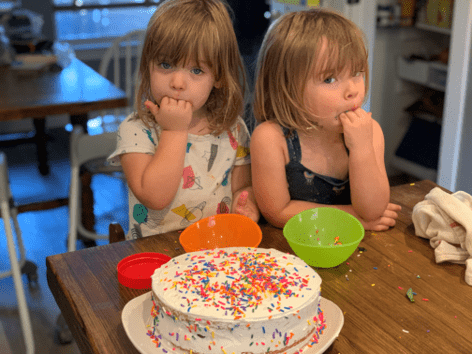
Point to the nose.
(178, 81)
(352, 90)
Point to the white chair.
(129, 47)
(9, 211)
(91, 150)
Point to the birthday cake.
(236, 300)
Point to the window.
(92, 24)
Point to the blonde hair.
(287, 59)
(198, 30)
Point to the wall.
(464, 176)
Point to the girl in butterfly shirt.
(185, 151)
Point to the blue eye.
(329, 80)
(165, 65)
(197, 71)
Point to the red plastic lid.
(135, 271)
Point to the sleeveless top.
(306, 185)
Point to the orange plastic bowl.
(221, 231)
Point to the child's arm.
(370, 189)
(270, 183)
(155, 179)
(244, 201)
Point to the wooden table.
(379, 318)
(74, 90)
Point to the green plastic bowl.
(312, 235)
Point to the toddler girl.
(316, 146)
(185, 152)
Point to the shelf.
(430, 74)
(432, 28)
(414, 169)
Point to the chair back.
(129, 47)
(92, 151)
(85, 148)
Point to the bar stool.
(9, 211)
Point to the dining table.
(76, 89)
(370, 288)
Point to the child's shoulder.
(133, 122)
(238, 123)
(268, 131)
(238, 128)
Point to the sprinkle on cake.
(236, 300)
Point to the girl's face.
(187, 82)
(326, 96)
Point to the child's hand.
(387, 220)
(172, 115)
(246, 207)
(358, 129)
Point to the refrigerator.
(455, 149)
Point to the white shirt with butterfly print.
(205, 188)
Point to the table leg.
(40, 139)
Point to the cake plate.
(137, 321)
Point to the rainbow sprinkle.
(250, 278)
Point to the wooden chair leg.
(116, 233)
(88, 215)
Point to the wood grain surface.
(76, 89)
(370, 288)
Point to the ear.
(217, 84)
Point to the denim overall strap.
(293, 145)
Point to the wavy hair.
(196, 30)
(290, 54)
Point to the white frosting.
(238, 300)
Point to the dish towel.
(446, 219)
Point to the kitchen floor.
(45, 232)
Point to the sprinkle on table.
(409, 294)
